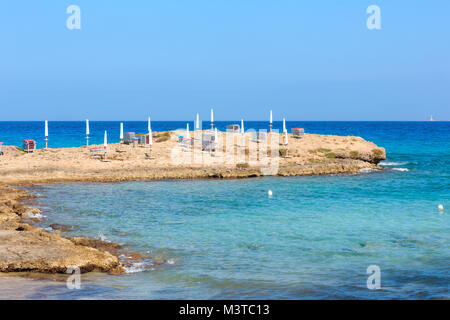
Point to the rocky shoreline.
(25, 247)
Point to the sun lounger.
(101, 151)
(208, 142)
(129, 136)
(186, 144)
(298, 133)
(29, 145)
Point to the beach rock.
(24, 247)
(40, 251)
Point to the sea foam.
(393, 163)
(367, 170)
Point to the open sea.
(226, 239)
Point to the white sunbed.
(101, 151)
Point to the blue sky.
(306, 60)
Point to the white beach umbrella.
(215, 135)
(149, 125)
(284, 125)
(270, 116)
(150, 136)
(188, 136)
(105, 140)
(286, 139)
(197, 125)
(46, 128)
(212, 115)
(121, 131)
(87, 127)
(242, 125)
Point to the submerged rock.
(62, 227)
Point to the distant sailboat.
(431, 118)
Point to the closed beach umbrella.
(188, 136)
(242, 125)
(87, 132)
(212, 115)
(284, 125)
(150, 137)
(121, 131)
(105, 140)
(270, 116)
(215, 135)
(286, 139)
(46, 134)
(197, 125)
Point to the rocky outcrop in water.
(24, 247)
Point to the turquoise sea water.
(314, 238)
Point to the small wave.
(102, 237)
(139, 267)
(367, 170)
(36, 215)
(393, 163)
(400, 169)
(135, 267)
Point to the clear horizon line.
(235, 120)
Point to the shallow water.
(314, 238)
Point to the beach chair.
(186, 144)
(298, 133)
(29, 145)
(1, 148)
(259, 136)
(208, 142)
(129, 136)
(234, 128)
(100, 151)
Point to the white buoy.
(269, 193)
(440, 207)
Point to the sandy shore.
(25, 247)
